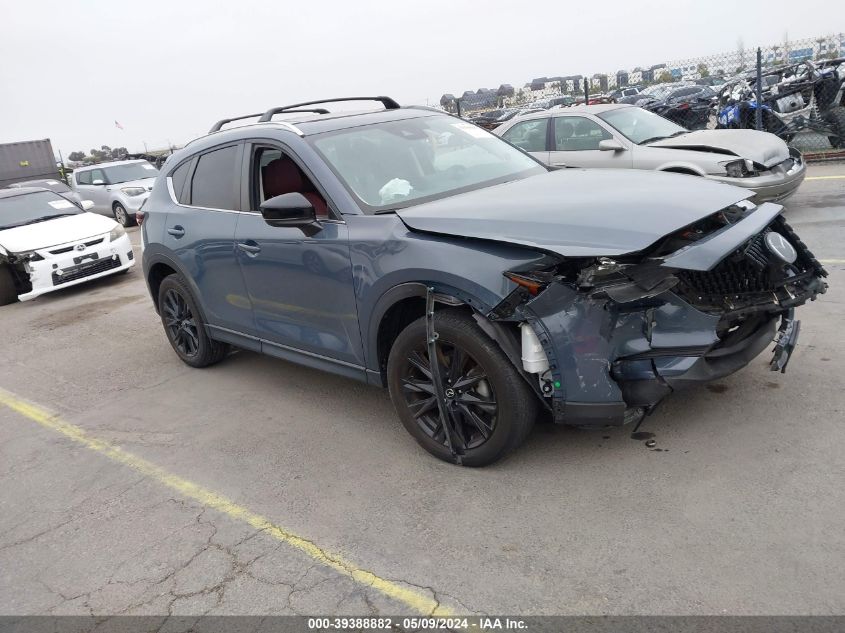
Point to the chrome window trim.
(190, 206)
(250, 212)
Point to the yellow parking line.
(832, 261)
(824, 177)
(414, 599)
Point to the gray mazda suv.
(412, 250)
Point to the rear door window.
(528, 135)
(574, 133)
(215, 184)
(179, 176)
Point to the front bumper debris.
(785, 342)
(615, 351)
(774, 185)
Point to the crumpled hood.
(52, 232)
(761, 147)
(577, 212)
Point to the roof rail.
(388, 103)
(216, 127)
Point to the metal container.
(27, 160)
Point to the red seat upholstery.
(281, 176)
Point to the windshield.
(640, 125)
(131, 171)
(34, 207)
(401, 163)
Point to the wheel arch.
(157, 266)
(399, 307)
(684, 168)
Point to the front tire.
(8, 291)
(491, 406)
(122, 216)
(184, 326)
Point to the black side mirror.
(289, 209)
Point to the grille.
(68, 249)
(85, 270)
(730, 278)
(752, 280)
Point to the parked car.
(686, 104)
(56, 186)
(117, 189)
(48, 243)
(562, 101)
(628, 137)
(487, 119)
(492, 121)
(627, 91)
(713, 81)
(475, 283)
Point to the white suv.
(117, 189)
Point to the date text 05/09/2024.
(418, 623)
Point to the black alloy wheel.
(470, 400)
(489, 407)
(180, 323)
(184, 326)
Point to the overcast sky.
(166, 70)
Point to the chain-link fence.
(793, 89)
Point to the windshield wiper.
(652, 139)
(678, 133)
(384, 211)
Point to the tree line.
(105, 153)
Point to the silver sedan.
(625, 136)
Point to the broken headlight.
(24, 256)
(116, 233)
(604, 271)
(625, 282)
(739, 168)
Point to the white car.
(621, 136)
(48, 243)
(117, 189)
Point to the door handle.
(176, 231)
(250, 248)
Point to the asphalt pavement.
(130, 483)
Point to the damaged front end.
(608, 338)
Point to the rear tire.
(8, 290)
(492, 406)
(184, 326)
(835, 118)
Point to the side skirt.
(300, 357)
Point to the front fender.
(684, 165)
(392, 263)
